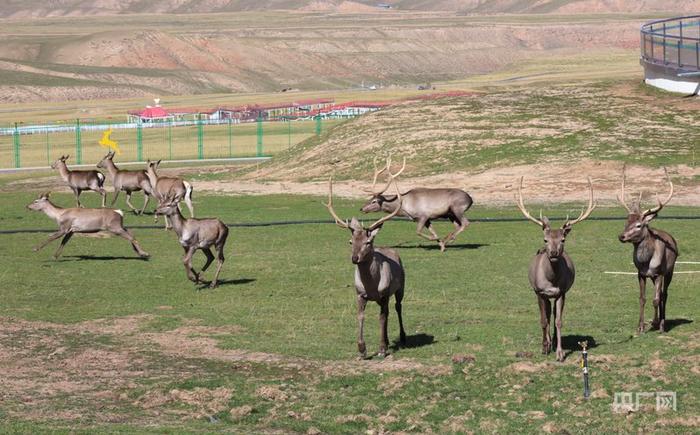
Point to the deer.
(551, 272)
(128, 181)
(422, 205)
(173, 188)
(379, 274)
(80, 180)
(654, 254)
(82, 220)
(194, 234)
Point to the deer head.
(103, 162)
(377, 199)
(637, 226)
(40, 203)
(59, 161)
(362, 238)
(167, 207)
(554, 238)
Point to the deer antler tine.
(399, 200)
(376, 174)
(587, 212)
(392, 176)
(522, 208)
(661, 204)
(341, 223)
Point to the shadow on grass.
(413, 341)
(225, 282)
(436, 247)
(98, 258)
(570, 343)
(672, 323)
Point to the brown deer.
(171, 188)
(422, 205)
(552, 272)
(194, 234)
(128, 181)
(82, 220)
(378, 274)
(654, 254)
(81, 180)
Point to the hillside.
(73, 8)
(54, 59)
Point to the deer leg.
(361, 305)
(210, 258)
(128, 201)
(65, 240)
(422, 223)
(146, 198)
(116, 195)
(461, 225)
(558, 321)
(642, 301)
(658, 289)
(103, 193)
(383, 329)
(219, 265)
(399, 298)
(192, 275)
(124, 233)
(77, 193)
(664, 298)
(544, 323)
(51, 238)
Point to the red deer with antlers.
(82, 220)
(128, 181)
(170, 188)
(81, 180)
(378, 274)
(552, 272)
(654, 254)
(422, 205)
(194, 234)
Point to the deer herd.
(379, 272)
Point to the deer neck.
(111, 168)
(370, 272)
(152, 177)
(53, 211)
(63, 170)
(390, 203)
(644, 249)
(178, 221)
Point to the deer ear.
(45, 195)
(355, 225)
(373, 233)
(566, 228)
(157, 163)
(646, 219)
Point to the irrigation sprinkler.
(584, 366)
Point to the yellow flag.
(109, 143)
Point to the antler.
(377, 173)
(621, 195)
(521, 206)
(381, 221)
(341, 223)
(386, 168)
(661, 204)
(584, 214)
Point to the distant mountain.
(72, 8)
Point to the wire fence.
(674, 41)
(29, 146)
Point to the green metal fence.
(27, 146)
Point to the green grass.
(288, 291)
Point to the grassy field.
(99, 340)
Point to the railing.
(674, 42)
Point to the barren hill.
(56, 8)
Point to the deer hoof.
(213, 284)
(662, 326)
(442, 246)
(381, 354)
(145, 255)
(640, 329)
(560, 355)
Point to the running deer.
(81, 180)
(82, 220)
(378, 273)
(171, 188)
(552, 272)
(654, 254)
(422, 205)
(194, 234)
(128, 181)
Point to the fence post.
(679, 53)
(318, 125)
(664, 42)
(170, 139)
(15, 141)
(230, 138)
(78, 143)
(289, 133)
(139, 142)
(200, 137)
(697, 54)
(48, 146)
(259, 148)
